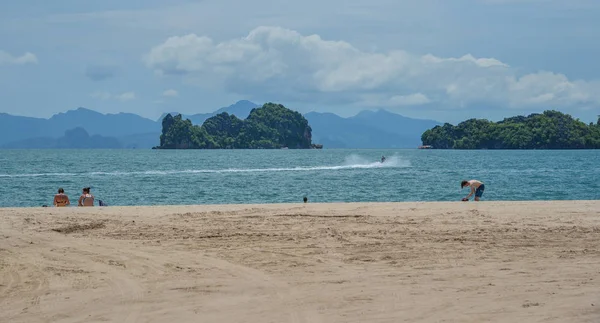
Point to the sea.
(30, 178)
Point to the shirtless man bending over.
(477, 188)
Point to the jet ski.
(382, 159)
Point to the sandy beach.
(363, 262)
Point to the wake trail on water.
(351, 162)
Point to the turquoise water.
(155, 177)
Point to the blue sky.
(440, 59)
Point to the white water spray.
(351, 162)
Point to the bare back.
(61, 200)
(474, 184)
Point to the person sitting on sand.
(477, 188)
(86, 199)
(61, 199)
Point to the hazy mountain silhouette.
(240, 109)
(394, 123)
(76, 138)
(120, 124)
(368, 129)
(15, 128)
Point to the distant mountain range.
(240, 109)
(76, 138)
(15, 129)
(368, 129)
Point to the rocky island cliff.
(271, 126)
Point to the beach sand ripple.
(352, 262)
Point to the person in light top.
(86, 199)
(477, 188)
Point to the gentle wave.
(390, 163)
(39, 175)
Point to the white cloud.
(170, 93)
(282, 64)
(8, 59)
(102, 95)
(481, 62)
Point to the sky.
(435, 59)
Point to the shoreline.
(333, 204)
(499, 261)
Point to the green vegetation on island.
(271, 126)
(548, 130)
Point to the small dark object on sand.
(464, 199)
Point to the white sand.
(400, 262)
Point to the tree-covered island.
(548, 130)
(271, 126)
